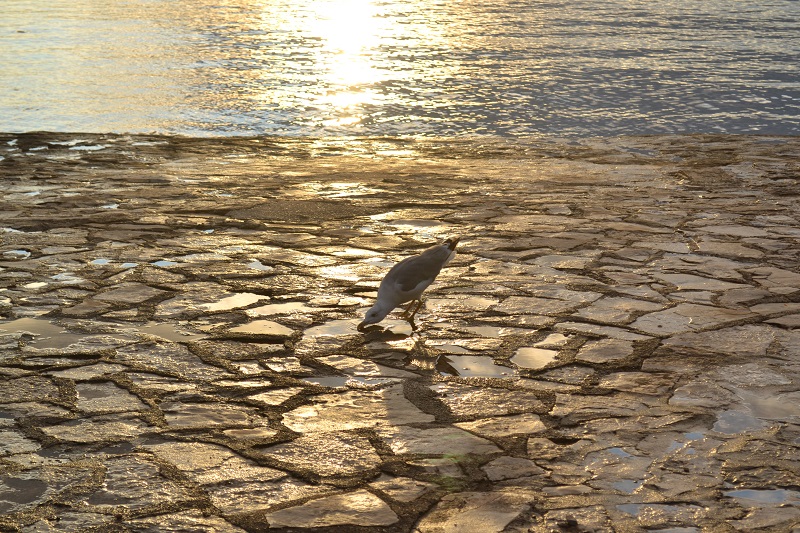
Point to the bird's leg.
(419, 305)
(408, 309)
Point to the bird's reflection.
(417, 354)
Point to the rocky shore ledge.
(615, 348)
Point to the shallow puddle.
(533, 358)
(731, 422)
(627, 485)
(67, 278)
(333, 328)
(234, 301)
(47, 334)
(328, 381)
(480, 366)
(765, 497)
(258, 265)
(284, 308)
(263, 327)
(16, 254)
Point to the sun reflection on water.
(348, 78)
(347, 34)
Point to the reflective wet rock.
(262, 329)
(401, 489)
(504, 426)
(533, 358)
(355, 409)
(133, 482)
(613, 348)
(474, 512)
(435, 441)
(326, 454)
(360, 508)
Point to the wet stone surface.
(615, 348)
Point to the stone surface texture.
(615, 348)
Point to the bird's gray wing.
(415, 273)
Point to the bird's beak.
(360, 327)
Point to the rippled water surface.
(404, 67)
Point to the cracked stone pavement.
(615, 348)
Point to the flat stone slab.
(355, 409)
(358, 508)
(504, 426)
(130, 293)
(326, 454)
(687, 317)
(133, 482)
(474, 512)
(103, 428)
(477, 402)
(235, 484)
(401, 489)
(747, 340)
(262, 328)
(605, 351)
(435, 441)
(106, 397)
(511, 468)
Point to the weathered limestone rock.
(605, 351)
(355, 409)
(133, 482)
(326, 454)
(747, 340)
(359, 508)
(477, 402)
(106, 397)
(435, 441)
(474, 512)
(130, 293)
(402, 489)
(510, 468)
(504, 426)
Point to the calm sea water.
(401, 67)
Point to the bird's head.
(373, 316)
(452, 242)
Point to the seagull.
(406, 281)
